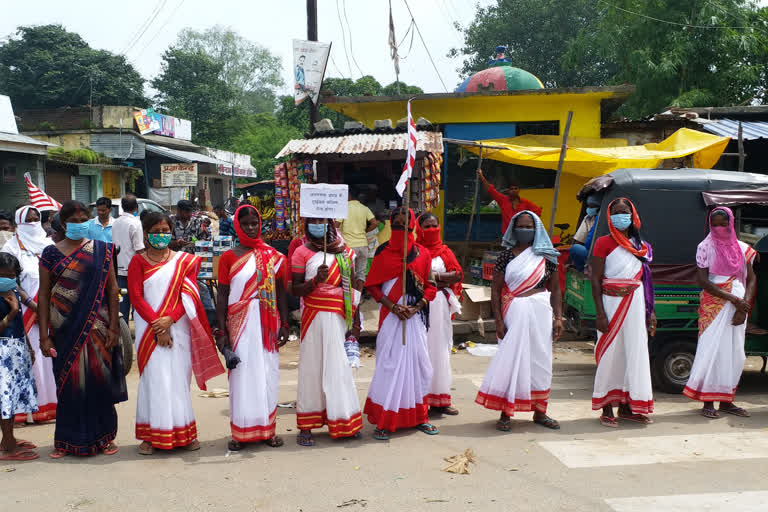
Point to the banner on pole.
(309, 60)
(410, 158)
(323, 201)
(178, 175)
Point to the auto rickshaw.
(674, 206)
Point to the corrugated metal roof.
(120, 146)
(751, 130)
(22, 139)
(431, 142)
(184, 156)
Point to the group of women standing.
(64, 317)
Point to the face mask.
(77, 231)
(159, 240)
(592, 211)
(136, 213)
(621, 221)
(524, 235)
(316, 230)
(721, 232)
(430, 237)
(7, 284)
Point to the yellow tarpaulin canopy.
(595, 157)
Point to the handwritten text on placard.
(323, 201)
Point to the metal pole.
(312, 36)
(405, 244)
(741, 148)
(474, 209)
(233, 175)
(563, 150)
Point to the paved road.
(681, 463)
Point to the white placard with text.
(323, 201)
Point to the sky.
(114, 26)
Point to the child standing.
(17, 386)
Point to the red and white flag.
(410, 159)
(39, 199)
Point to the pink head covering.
(725, 255)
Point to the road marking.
(631, 451)
(748, 501)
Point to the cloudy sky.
(114, 26)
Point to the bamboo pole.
(563, 150)
(741, 148)
(474, 208)
(405, 243)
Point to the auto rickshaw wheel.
(672, 365)
(126, 342)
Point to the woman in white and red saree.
(327, 395)
(728, 288)
(253, 323)
(401, 381)
(528, 317)
(27, 245)
(448, 276)
(173, 340)
(622, 288)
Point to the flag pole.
(405, 243)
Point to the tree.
(262, 136)
(250, 69)
(190, 87)
(47, 66)
(677, 52)
(541, 37)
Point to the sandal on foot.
(234, 446)
(736, 411)
(450, 411)
(548, 422)
(274, 442)
(110, 449)
(609, 421)
(57, 454)
(504, 425)
(146, 449)
(20, 455)
(29, 445)
(710, 413)
(305, 439)
(637, 418)
(381, 434)
(428, 429)
(193, 446)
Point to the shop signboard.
(309, 60)
(323, 201)
(178, 175)
(146, 120)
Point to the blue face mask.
(621, 221)
(7, 284)
(316, 230)
(592, 211)
(77, 231)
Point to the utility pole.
(312, 36)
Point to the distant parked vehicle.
(144, 204)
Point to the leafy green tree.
(190, 87)
(249, 68)
(262, 136)
(46, 66)
(400, 88)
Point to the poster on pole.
(323, 201)
(178, 175)
(309, 60)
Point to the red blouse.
(136, 270)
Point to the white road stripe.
(748, 501)
(630, 451)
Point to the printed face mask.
(159, 240)
(77, 231)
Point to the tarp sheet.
(595, 157)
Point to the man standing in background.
(101, 226)
(128, 238)
(225, 222)
(359, 221)
(510, 203)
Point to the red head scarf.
(430, 239)
(252, 243)
(619, 237)
(388, 262)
